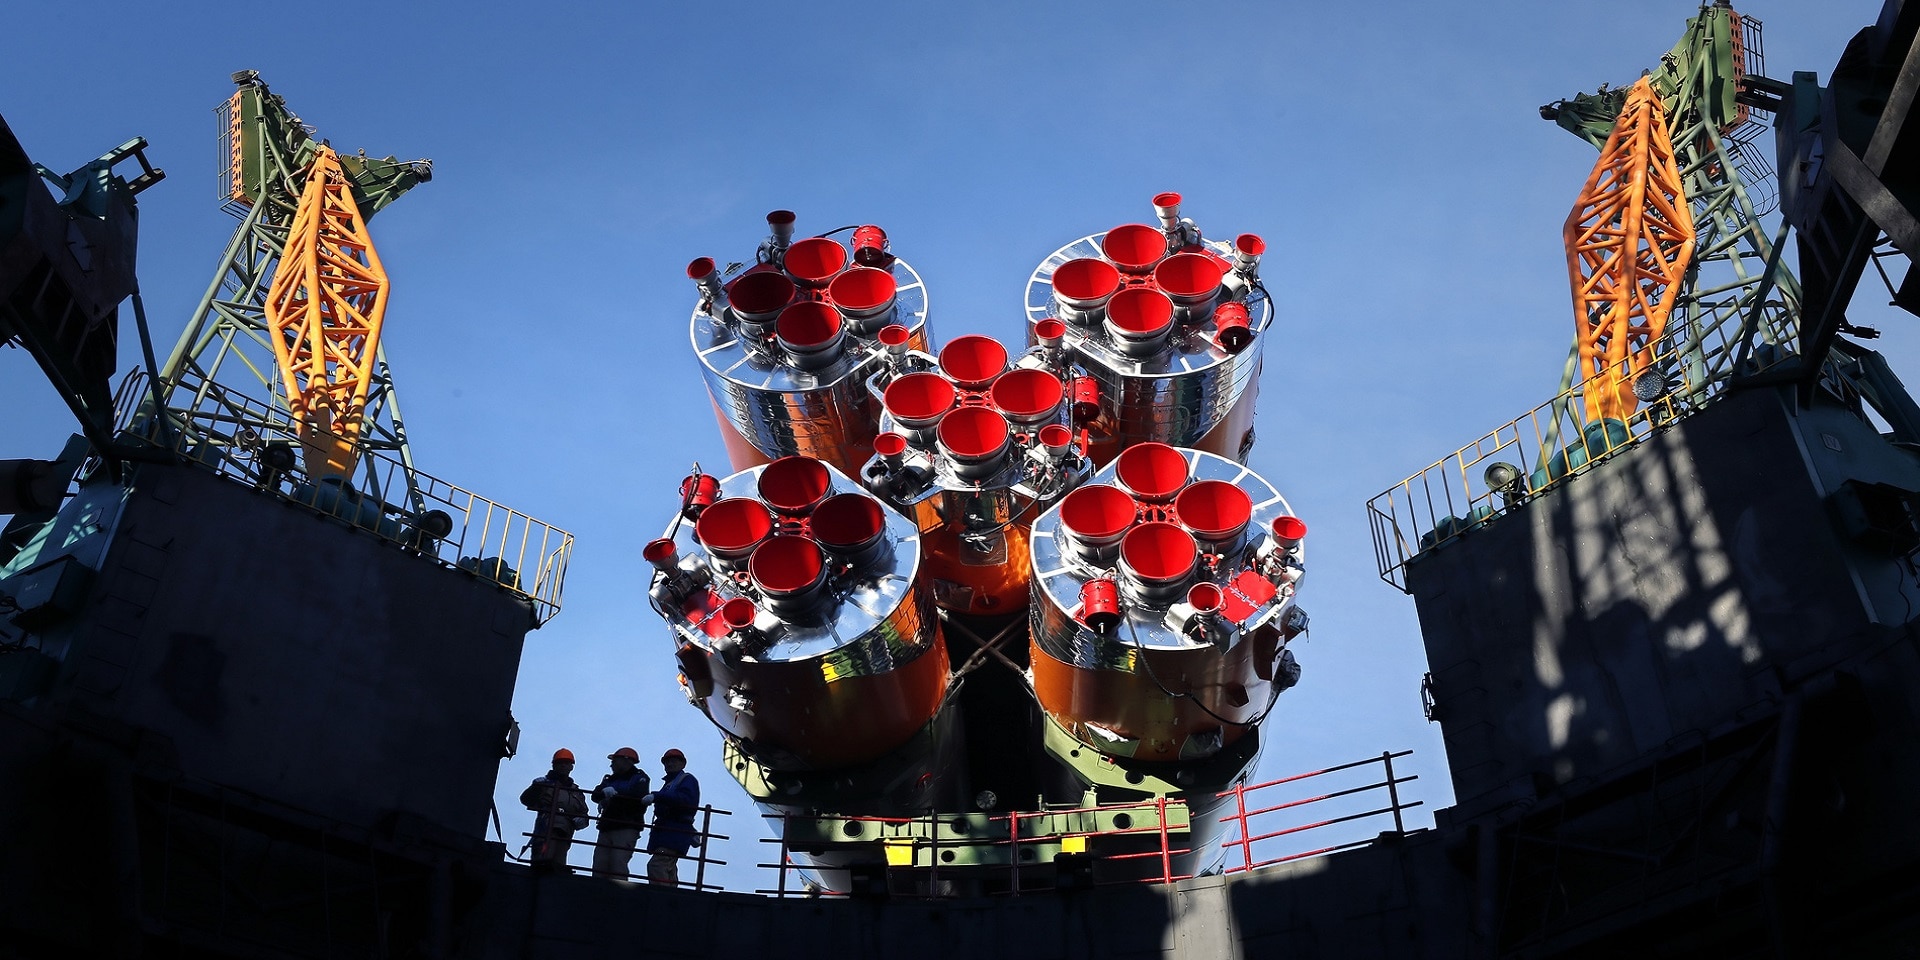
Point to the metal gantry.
(1737, 300)
(231, 347)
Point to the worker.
(559, 810)
(623, 811)
(673, 807)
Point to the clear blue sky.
(1391, 153)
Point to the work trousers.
(664, 868)
(550, 848)
(613, 852)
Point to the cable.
(829, 233)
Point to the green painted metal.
(1111, 779)
(223, 358)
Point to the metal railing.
(1258, 825)
(1250, 824)
(239, 437)
(1543, 447)
(703, 843)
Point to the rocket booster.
(786, 346)
(802, 624)
(1164, 330)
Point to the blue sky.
(1391, 154)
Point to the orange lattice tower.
(1629, 242)
(324, 313)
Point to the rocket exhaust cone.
(794, 486)
(1189, 279)
(1139, 320)
(759, 297)
(972, 361)
(732, 528)
(919, 400)
(1028, 396)
(1214, 511)
(1153, 472)
(815, 261)
(1134, 247)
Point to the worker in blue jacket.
(674, 805)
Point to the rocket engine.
(1163, 603)
(917, 499)
(972, 448)
(1163, 328)
(787, 345)
(803, 627)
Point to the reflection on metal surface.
(801, 620)
(1191, 385)
(787, 377)
(972, 448)
(1205, 560)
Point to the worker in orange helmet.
(674, 805)
(623, 811)
(560, 809)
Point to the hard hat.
(673, 754)
(563, 754)
(628, 752)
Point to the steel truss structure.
(229, 347)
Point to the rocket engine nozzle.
(773, 250)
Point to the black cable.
(829, 233)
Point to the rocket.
(886, 496)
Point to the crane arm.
(324, 313)
(1629, 241)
